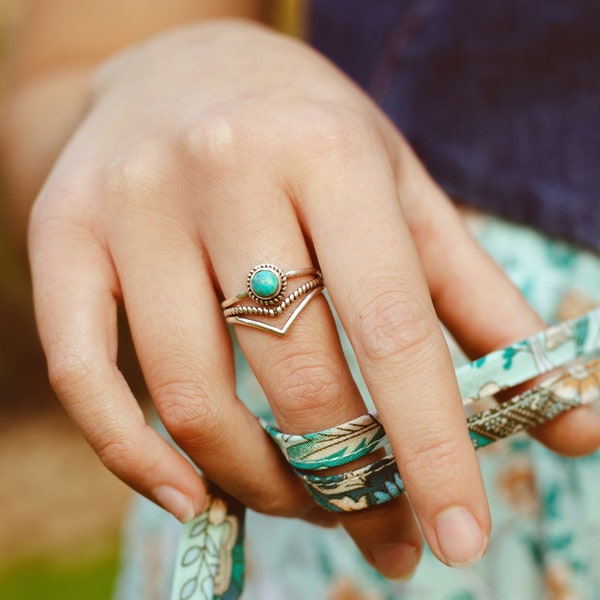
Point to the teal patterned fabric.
(333, 447)
(545, 544)
(570, 349)
(212, 541)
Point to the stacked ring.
(380, 481)
(332, 447)
(371, 485)
(565, 347)
(266, 287)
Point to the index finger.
(74, 292)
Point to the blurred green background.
(60, 510)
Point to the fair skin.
(174, 166)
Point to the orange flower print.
(557, 582)
(517, 486)
(346, 589)
(580, 380)
(573, 304)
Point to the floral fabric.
(545, 542)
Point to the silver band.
(266, 311)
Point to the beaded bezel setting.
(266, 284)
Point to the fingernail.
(177, 503)
(396, 561)
(461, 540)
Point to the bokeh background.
(60, 510)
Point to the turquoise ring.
(267, 295)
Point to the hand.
(214, 148)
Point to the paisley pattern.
(380, 481)
(374, 484)
(210, 556)
(545, 543)
(332, 447)
(529, 358)
(537, 405)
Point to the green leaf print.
(551, 501)
(580, 333)
(560, 542)
(508, 355)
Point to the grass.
(92, 579)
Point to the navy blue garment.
(499, 98)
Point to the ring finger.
(303, 373)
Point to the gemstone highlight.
(265, 284)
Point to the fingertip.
(574, 434)
(178, 503)
(397, 561)
(388, 537)
(461, 539)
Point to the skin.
(174, 159)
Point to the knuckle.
(442, 453)
(213, 142)
(335, 130)
(45, 231)
(307, 382)
(119, 455)
(58, 206)
(187, 412)
(69, 367)
(391, 326)
(144, 166)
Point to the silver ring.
(267, 295)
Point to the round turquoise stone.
(265, 284)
